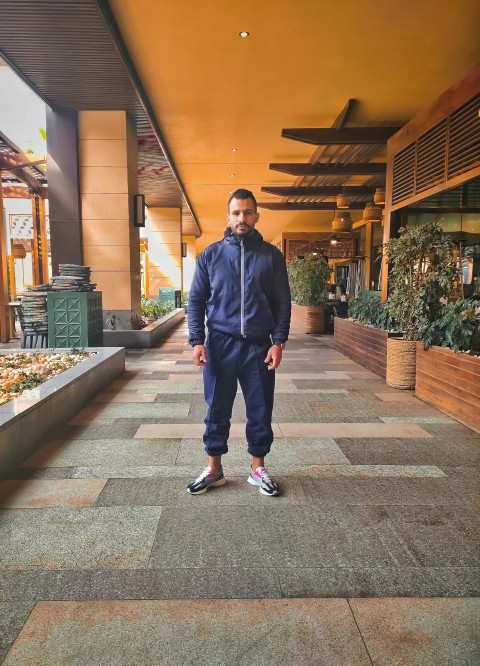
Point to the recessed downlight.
(244, 34)
(232, 175)
(234, 150)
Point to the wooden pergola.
(21, 178)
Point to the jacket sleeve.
(197, 300)
(281, 299)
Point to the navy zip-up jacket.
(241, 285)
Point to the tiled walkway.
(370, 556)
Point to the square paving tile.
(124, 396)
(111, 538)
(296, 631)
(339, 430)
(109, 412)
(421, 632)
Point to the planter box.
(450, 382)
(146, 337)
(363, 344)
(25, 420)
(75, 319)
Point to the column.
(4, 314)
(189, 262)
(164, 229)
(108, 181)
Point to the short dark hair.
(241, 193)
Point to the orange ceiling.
(212, 90)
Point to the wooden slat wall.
(450, 382)
(365, 345)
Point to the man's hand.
(199, 355)
(274, 357)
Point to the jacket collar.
(253, 238)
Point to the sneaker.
(206, 480)
(260, 478)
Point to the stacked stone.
(73, 278)
(34, 310)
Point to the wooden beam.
(14, 192)
(12, 161)
(326, 136)
(297, 205)
(301, 169)
(320, 191)
(342, 117)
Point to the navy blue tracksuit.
(241, 285)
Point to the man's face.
(242, 217)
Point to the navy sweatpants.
(229, 360)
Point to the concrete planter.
(450, 382)
(146, 337)
(24, 421)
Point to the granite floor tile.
(187, 430)
(420, 631)
(398, 396)
(205, 632)
(85, 452)
(49, 493)
(225, 582)
(124, 396)
(291, 453)
(172, 492)
(41, 473)
(12, 618)
(125, 430)
(111, 538)
(277, 535)
(340, 430)
(355, 581)
(398, 451)
(378, 491)
(435, 538)
(109, 412)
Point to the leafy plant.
(423, 271)
(458, 327)
(153, 309)
(367, 309)
(308, 279)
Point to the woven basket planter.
(315, 319)
(401, 363)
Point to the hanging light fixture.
(372, 213)
(343, 201)
(379, 196)
(342, 222)
(333, 239)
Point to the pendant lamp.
(372, 213)
(343, 201)
(379, 196)
(342, 222)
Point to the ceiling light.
(372, 213)
(343, 201)
(342, 221)
(333, 239)
(234, 150)
(232, 175)
(379, 196)
(244, 33)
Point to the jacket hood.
(253, 237)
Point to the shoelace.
(264, 474)
(203, 475)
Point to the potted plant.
(309, 278)
(423, 270)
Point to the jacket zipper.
(242, 288)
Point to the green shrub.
(153, 309)
(367, 309)
(457, 327)
(308, 279)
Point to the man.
(241, 285)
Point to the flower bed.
(22, 371)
